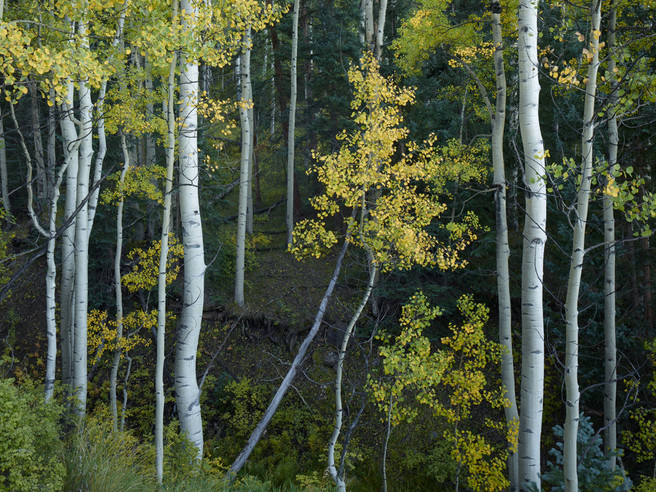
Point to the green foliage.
(30, 448)
(458, 369)
(593, 470)
(295, 440)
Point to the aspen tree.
(535, 221)
(291, 140)
(570, 458)
(244, 177)
(610, 337)
(163, 255)
(502, 244)
(186, 385)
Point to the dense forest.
(327, 245)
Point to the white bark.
(610, 342)
(117, 285)
(240, 461)
(369, 24)
(502, 244)
(338, 474)
(70, 144)
(82, 240)
(291, 140)
(251, 165)
(532, 386)
(186, 385)
(161, 278)
(576, 262)
(380, 29)
(244, 184)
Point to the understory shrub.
(30, 446)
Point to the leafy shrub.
(30, 448)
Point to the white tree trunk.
(380, 29)
(245, 101)
(117, 285)
(82, 240)
(186, 385)
(161, 278)
(576, 262)
(291, 140)
(532, 387)
(240, 461)
(251, 164)
(502, 244)
(337, 474)
(610, 342)
(71, 153)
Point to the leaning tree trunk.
(502, 244)
(610, 337)
(532, 386)
(291, 141)
(240, 461)
(573, 395)
(186, 385)
(245, 100)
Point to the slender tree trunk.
(82, 240)
(67, 332)
(51, 146)
(502, 244)
(186, 384)
(51, 279)
(573, 395)
(3, 169)
(240, 461)
(249, 198)
(3, 148)
(117, 285)
(610, 337)
(291, 141)
(39, 154)
(161, 278)
(338, 474)
(245, 61)
(532, 387)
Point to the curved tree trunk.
(337, 474)
(532, 387)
